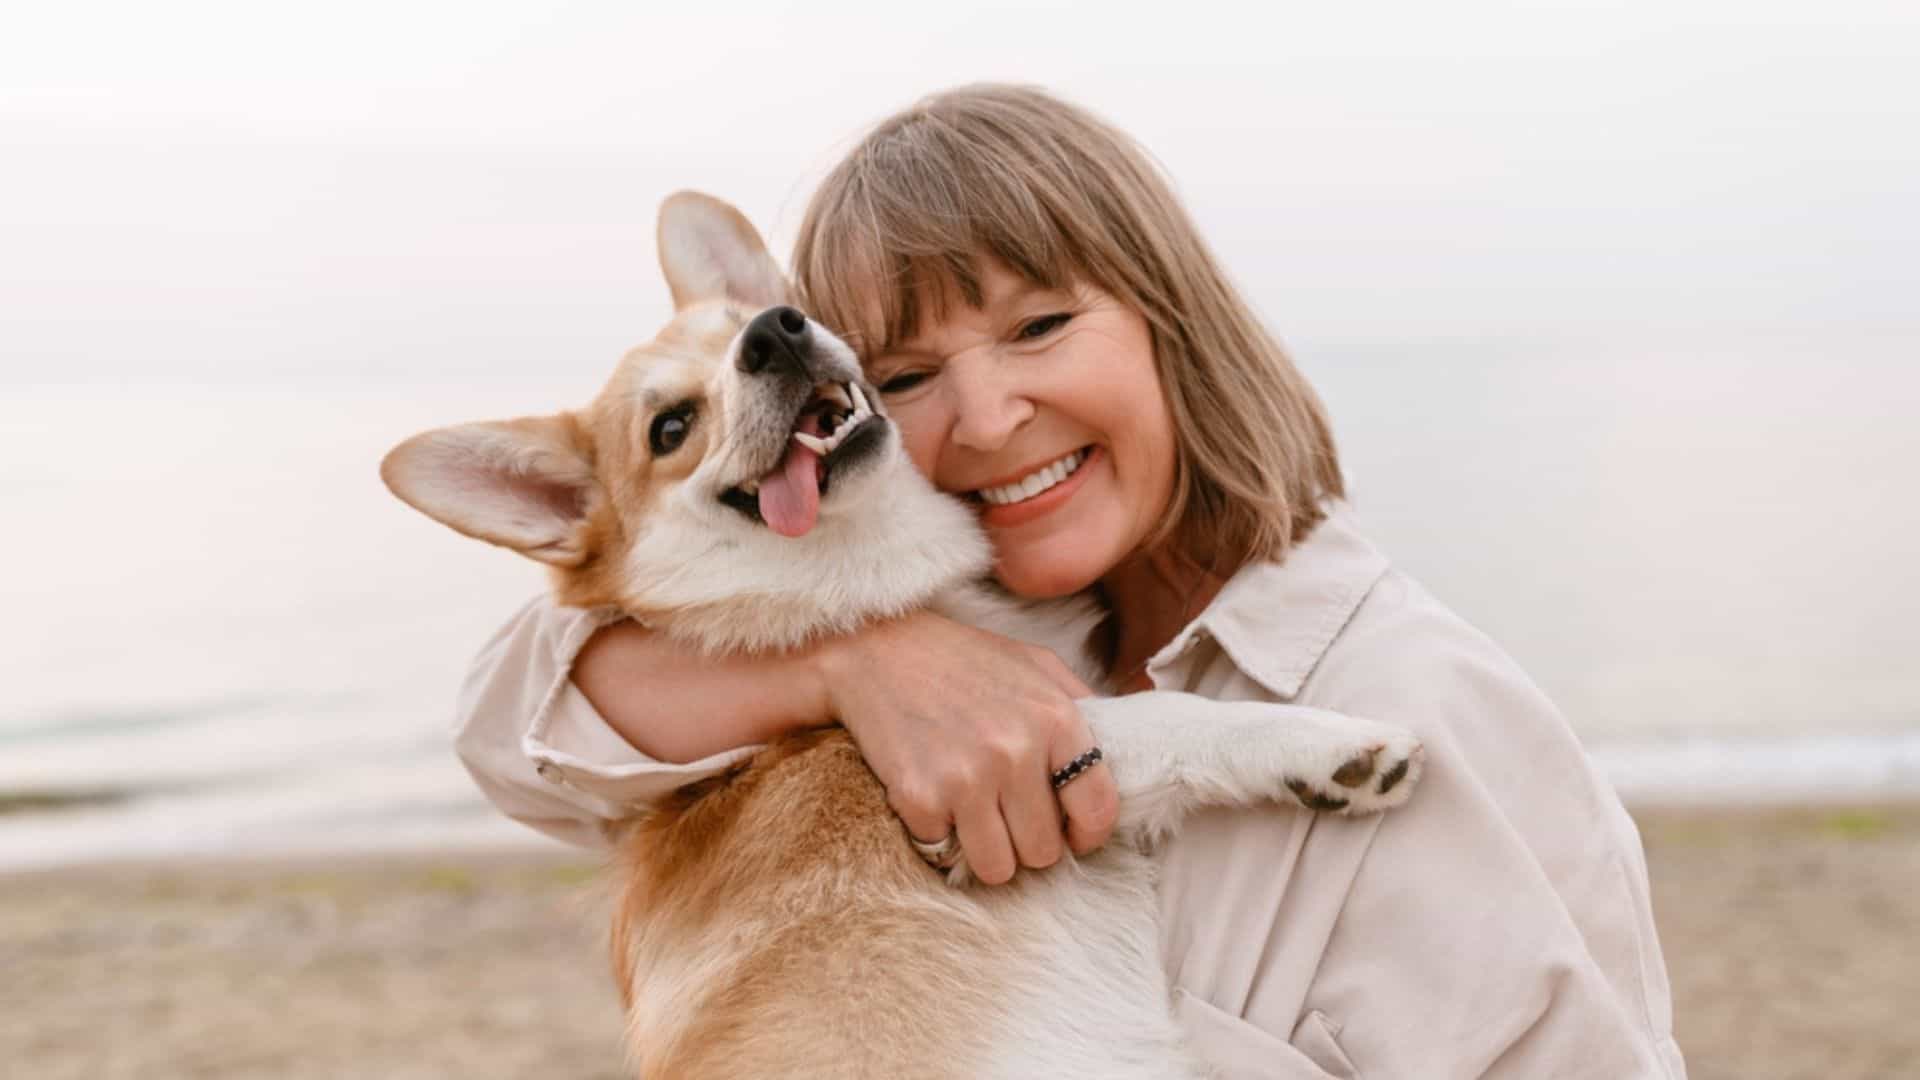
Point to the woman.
(1025, 290)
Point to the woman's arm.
(676, 704)
(962, 726)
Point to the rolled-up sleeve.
(536, 746)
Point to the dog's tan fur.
(605, 433)
(774, 921)
(802, 835)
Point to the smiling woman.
(1061, 352)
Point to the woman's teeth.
(1035, 482)
(861, 410)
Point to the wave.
(1801, 769)
(420, 799)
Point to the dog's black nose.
(776, 340)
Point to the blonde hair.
(1014, 174)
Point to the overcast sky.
(213, 190)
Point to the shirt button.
(550, 772)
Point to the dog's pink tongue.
(790, 494)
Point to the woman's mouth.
(1035, 482)
(1036, 494)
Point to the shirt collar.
(1274, 620)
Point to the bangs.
(911, 215)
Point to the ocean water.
(224, 636)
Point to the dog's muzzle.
(805, 387)
(777, 342)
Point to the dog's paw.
(1377, 776)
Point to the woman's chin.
(1044, 579)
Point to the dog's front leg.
(1172, 753)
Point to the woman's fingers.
(1033, 818)
(965, 729)
(983, 836)
(1091, 802)
(926, 819)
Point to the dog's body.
(775, 921)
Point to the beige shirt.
(1498, 925)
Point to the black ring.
(1075, 767)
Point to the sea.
(223, 637)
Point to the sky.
(205, 192)
(1612, 305)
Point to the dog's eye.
(670, 430)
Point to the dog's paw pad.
(1392, 776)
(1359, 769)
(1314, 800)
(1392, 771)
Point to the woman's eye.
(906, 380)
(670, 430)
(1042, 326)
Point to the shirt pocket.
(1238, 1050)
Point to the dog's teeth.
(860, 406)
(813, 442)
(836, 394)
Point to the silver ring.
(939, 854)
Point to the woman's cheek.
(920, 435)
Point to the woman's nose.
(988, 402)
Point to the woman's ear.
(522, 484)
(709, 251)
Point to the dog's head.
(744, 435)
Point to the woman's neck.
(1151, 598)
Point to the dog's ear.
(710, 251)
(523, 484)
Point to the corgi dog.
(738, 485)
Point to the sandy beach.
(1789, 936)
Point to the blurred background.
(1613, 306)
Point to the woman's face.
(1042, 409)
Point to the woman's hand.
(965, 728)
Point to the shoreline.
(1671, 821)
(1785, 931)
(67, 810)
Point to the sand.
(1793, 940)
(1792, 937)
